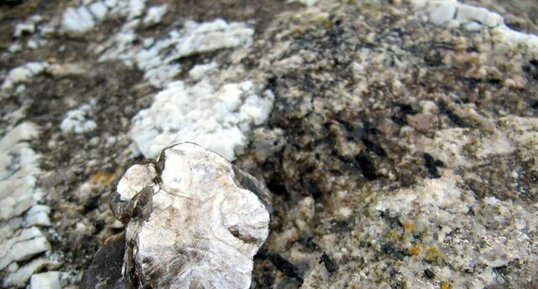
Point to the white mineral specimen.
(194, 221)
(78, 120)
(216, 118)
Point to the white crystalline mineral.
(99, 10)
(21, 241)
(154, 14)
(78, 20)
(78, 120)
(22, 74)
(83, 18)
(215, 118)
(158, 59)
(194, 38)
(48, 280)
(194, 221)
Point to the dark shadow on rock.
(105, 269)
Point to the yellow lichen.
(433, 254)
(444, 285)
(101, 178)
(408, 227)
(393, 236)
(415, 249)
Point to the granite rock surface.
(399, 139)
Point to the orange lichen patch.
(408, 227)
(444, 285)
(101, 178)
(414, 250)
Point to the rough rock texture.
(202, 114)
(398, 138)
(193, 221)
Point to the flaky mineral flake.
(194, 221)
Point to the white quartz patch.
(22, 74)
(83, 18)
(27, 27)
(18, 171)
(21, 239)
(159, 60)
(217, 118)
(154, 14)
(48, 280)
(79, 120)
(452, 13)
(201, 70)
(22, 246)
(78, 19)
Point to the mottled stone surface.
(193, 221)
(398, 138)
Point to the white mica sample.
(194, 221)
(217, 118)
(78, 120)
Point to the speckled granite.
(401, 148)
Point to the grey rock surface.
(398, 137)
(105, 271)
